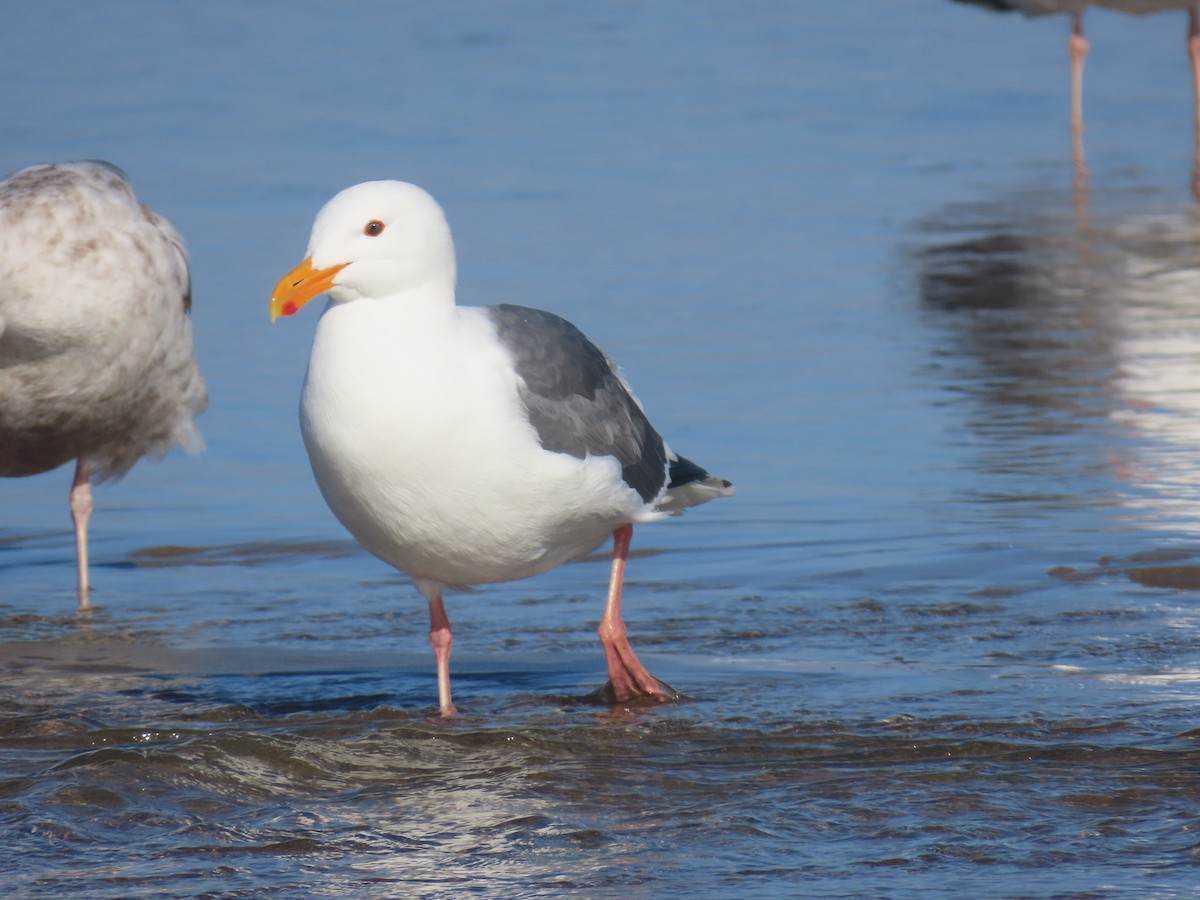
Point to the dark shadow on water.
(255, 553)
(1169, 568)
(606, 696)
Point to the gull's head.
(376, 239)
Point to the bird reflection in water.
(1070, 353)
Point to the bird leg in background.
(1194, 54)
(440, 639)
(627, 677)
(1077, 48)
(81, 511)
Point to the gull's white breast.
(422, 448)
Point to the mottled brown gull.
(468, 445)
(96, 356)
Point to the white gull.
(469, 445)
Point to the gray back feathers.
(575, 399)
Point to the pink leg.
(1077, 46)
(81, 511)
(627, 675)
(1194, 54)
(440, 639)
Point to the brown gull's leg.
(81, 511)
(440, 640)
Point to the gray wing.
(574, 398)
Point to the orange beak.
(299, 286)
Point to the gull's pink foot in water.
(627, 677)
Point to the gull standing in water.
(96, 356)
(469, 445)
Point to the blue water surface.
(941, 643)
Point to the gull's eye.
(374, 228)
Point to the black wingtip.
(684, 471)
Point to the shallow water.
(943, 642)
